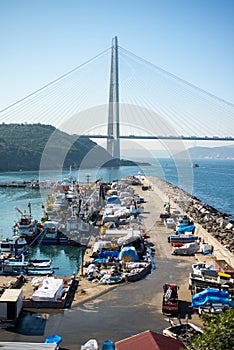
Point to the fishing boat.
(40, 262)
(184, 331)
(26, 226)
(184, 238)
(186, 249)
(41, 271)
(195, 165)
(16, 267)
(12, 244)
(77, 231)
(137, 270)
(184, 224)
(51, 235)
(39, 267)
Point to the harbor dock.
(14, 184)
(118, 311)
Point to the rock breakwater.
(216, 223)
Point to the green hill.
(23, 146)
(222, 152)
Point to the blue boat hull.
(182, 239)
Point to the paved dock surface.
(126, 310)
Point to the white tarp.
(50, 290)
(99, 245)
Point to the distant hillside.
(22, 146)
(223, 152)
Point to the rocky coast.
(211, 223)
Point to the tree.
(218, 332)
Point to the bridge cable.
(56, 80)
(178, 78)
(205, 100)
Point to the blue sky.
(41, 40)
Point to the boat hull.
(140, 274)
(182, 238)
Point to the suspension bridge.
(145, 103)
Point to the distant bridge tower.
(113, 143)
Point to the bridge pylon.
(113, 140)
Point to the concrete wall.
(220, 252)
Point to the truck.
(170, 302)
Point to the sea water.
(212, 182)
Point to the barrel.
(108, 345)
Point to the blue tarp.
(210, 295)
(107, 253)
(113, 200)
(186, 228)
(100, 261)
(128, 253)
(53, 339)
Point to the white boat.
(113, 212)
(186, 249)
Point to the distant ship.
(195, 165)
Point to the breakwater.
(212, 225)
(15, 184)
